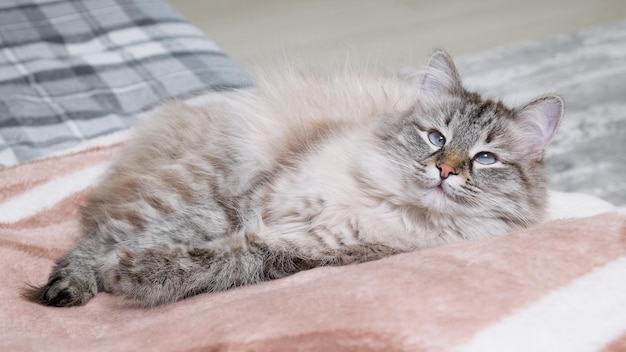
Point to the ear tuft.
(440, 76)
(539, 121)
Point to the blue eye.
(485, 158)
(436, 138)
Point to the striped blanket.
(560, 286)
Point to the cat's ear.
(538, 122)
(440, 76)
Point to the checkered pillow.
(74, 70)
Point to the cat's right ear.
(538, 122)
(440, 76)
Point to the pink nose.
(446, 170)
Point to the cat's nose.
(445, 170)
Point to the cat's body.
(303, 172)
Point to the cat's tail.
(163, 275)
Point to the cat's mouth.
(441, 189)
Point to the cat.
(305, 171)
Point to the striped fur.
(305, 171)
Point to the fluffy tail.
(162, 275)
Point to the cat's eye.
(436, 138)
(486, 158)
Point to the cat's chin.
(439, 198)
(441, 190)
(444, 191)
(435, 190)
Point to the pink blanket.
(560, 286)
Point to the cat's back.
(298, 99)
(292, 112)
(250, 132)
(286, 110)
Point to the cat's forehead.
(477, 110)
(470, 119)
(469, 112)
(479, 121)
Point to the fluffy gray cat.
(305, 171)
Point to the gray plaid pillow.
(74, 70)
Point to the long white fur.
(261, 121)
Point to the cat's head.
(464, 155)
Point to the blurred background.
(395, 33)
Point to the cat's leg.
(78, 276)
(161, 275)
(74, 279)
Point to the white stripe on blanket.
(102, 141)
(585, 315)
(46, 195)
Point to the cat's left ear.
(538, 122)
(440, 76)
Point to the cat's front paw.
(64, 289)
(150, 277)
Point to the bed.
(75, 74)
